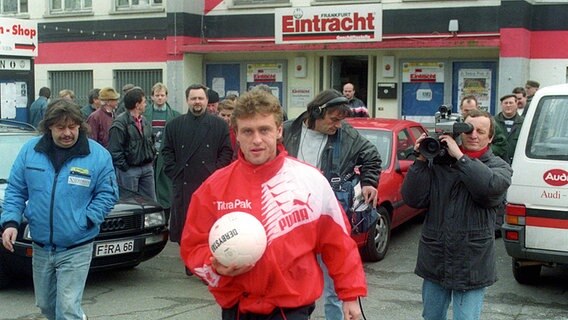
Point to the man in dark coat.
(195, 145)
(456, 252)
(321, 138)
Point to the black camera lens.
(429, 147)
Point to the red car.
(394, 140)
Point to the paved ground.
(158, 289)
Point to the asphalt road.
(159, 289)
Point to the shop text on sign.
(356, 23)
(18, 30)
(18, 37)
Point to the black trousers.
(300, 313)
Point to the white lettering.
(556, 177)
(236, 204)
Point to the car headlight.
(154, 219)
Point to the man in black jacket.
(456, 253)
(131, 145)
(321, 138)
(195, 145)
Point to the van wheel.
(526, 274)
(378, 239)
(4, 276)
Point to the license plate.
(112, 248)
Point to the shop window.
(144, 78)
(257, 2)
(138, 4)
(13, 7)
(70, 6)
(81, 82)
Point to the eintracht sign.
(18, 37)
(356, 23)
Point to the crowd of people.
(243, 149)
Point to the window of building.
(138, 4)
(81, 82)
(13, 7)
(257, 2)
(67, 6)
(144, 79)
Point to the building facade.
(404, 57)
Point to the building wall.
(183, 36)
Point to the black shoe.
(188, 272)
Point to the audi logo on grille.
(113, 224)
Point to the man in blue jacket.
(65, 185)
(37, 109)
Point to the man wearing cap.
(510, 122)
(531, 87)
(213, 101)
(100, 121)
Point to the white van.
(535, 231)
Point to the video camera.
(446, 123)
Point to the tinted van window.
(548, 137)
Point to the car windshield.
(10, 144)
(382, 140)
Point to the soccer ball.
(237, 238)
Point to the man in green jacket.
(510, 122)
(158, 113)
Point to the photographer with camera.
(456, 253)
(499, 141)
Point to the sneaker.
(188, 272)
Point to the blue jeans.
(138, 179)
(467, 304)
(59, 280)
(333, 307)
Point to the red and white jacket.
(301, 217)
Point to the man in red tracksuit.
(301, 217)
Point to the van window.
(548, 136)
